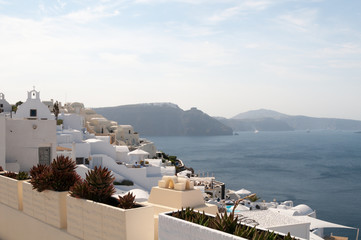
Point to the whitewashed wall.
(33, 102)
(137, 175)
(72, 121)
(100, 147)
(150, 148)
(24, 137)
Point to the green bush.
(124, 182)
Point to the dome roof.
(302, 210)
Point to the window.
(1, 105)
(79, 160)
(32, 112)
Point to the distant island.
(168, 119)
(268, 120)
(165, 119)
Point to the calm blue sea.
(321, 168)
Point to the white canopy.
(139, 152)
(242, 192)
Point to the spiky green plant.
(22, 176)
(127, 201)
(190, 215)
(226, 222)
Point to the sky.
(298, 57)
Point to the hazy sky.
(221, 56)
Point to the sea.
(321, 169)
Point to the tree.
(56, 109)
(14, 108)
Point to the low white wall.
(16, 225)
(137, 175)
(99, 147)
(176, 229)
(153, 171)
(301, 230)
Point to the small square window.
(32, 112)
(1, 105)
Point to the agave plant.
(59, 176)
(225, 222)
(127, 201)
(190, 215)
(98, 186)
(22, 176)
(64, 174)
(41, 177)
(80, 189)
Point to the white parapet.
(92, 220)
(47, 206)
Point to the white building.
(126, 134)
(33, 108)
(4, 105)
(30, 137)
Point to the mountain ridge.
(168, 119)
(269, 120)
(165, 119)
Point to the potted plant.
(93, 213)
(205, 226)
(45, 195)
(11, 188)
(222, 226)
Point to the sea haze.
(319, 168)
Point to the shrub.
(64, 174)
(127, 201)
(41, 177)
(98, 186)
(1, 169)
(17, 176)
(125, 182)
(10, 175)
(22, 176)
(59, 176)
